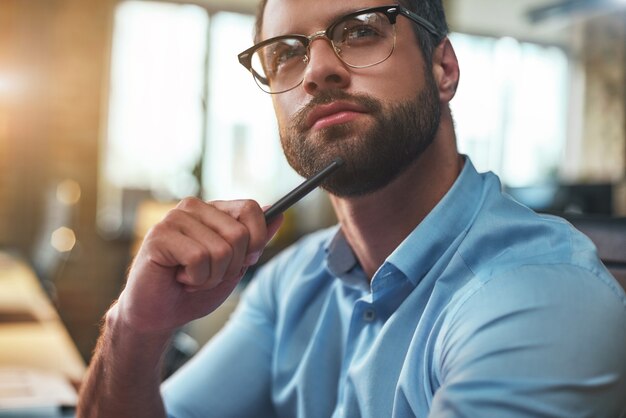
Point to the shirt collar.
(342, 262)
(419, 251)
(446, 223)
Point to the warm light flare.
(63, 239)
(68, 192)
(9, 84)
(4, 84)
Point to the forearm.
(188, 264)
(124, 375)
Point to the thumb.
(272, 229)
(274, 226)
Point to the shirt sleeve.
(540, 341)
(230, 376)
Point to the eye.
(361, 29)
(359, 32)
(285, 54)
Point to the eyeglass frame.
(391, 12)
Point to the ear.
(446, 70)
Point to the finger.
(209, 254)
(274, 226)
(211, 284)
(253, 216)
(167, 246)
(250, 214)
(230, 220)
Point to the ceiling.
(504, 18)
(491, 17)
(510, 18)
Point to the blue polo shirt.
(485, 310)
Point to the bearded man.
(434, 296)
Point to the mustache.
(371, 105)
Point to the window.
(156, 116)
(186, 119)
(243, 156)
(511, 107)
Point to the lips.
(334, 113)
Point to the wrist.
(133, 342)
(128, 317)
(125, 372)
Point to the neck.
(375, 224)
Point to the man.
(434, 296)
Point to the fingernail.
(252, 258)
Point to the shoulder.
(506, 235)
(542, 295)
(558, 331)
(538, 314)
(536, 276)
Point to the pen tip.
(338, 161)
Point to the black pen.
(302, 190)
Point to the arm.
(124, 373)
(187, 266)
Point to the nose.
(324, 70)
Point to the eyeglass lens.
(360, 41)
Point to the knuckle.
(189, 203)
(167, 225)
(153, 230)
(158, 229)
(244, 208)
(174, 216)
(222, 251)
(197, 255)
(249, 206)
(238, 234)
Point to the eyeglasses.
(360, 39)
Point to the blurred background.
(111, 110)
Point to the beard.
(373, 159)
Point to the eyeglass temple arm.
(422, 22)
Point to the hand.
(191, 261)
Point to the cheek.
(285, 107)
(401, 76)
(385, 87)
(392, 80)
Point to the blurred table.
(32, 335)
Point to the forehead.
(281, 17)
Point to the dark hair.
(431, 10)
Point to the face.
(378, 119)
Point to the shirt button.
(369, 315)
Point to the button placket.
(369, 314)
